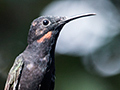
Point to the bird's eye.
(45, 22)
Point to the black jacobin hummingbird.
(34, 69)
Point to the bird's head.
(47, 27)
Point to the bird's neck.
(42, 49)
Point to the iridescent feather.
(14, 74)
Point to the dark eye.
(45, 22)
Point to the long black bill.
(66, 20)
(73, 18)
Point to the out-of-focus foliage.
(15, 19)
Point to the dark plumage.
(34, 69)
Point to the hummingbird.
(34, 68)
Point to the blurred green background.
(15, 19)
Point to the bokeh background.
(88, 49)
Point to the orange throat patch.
(46, 36)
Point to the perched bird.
(34, 69)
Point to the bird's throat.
(46, 36)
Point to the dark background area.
(15, 19)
